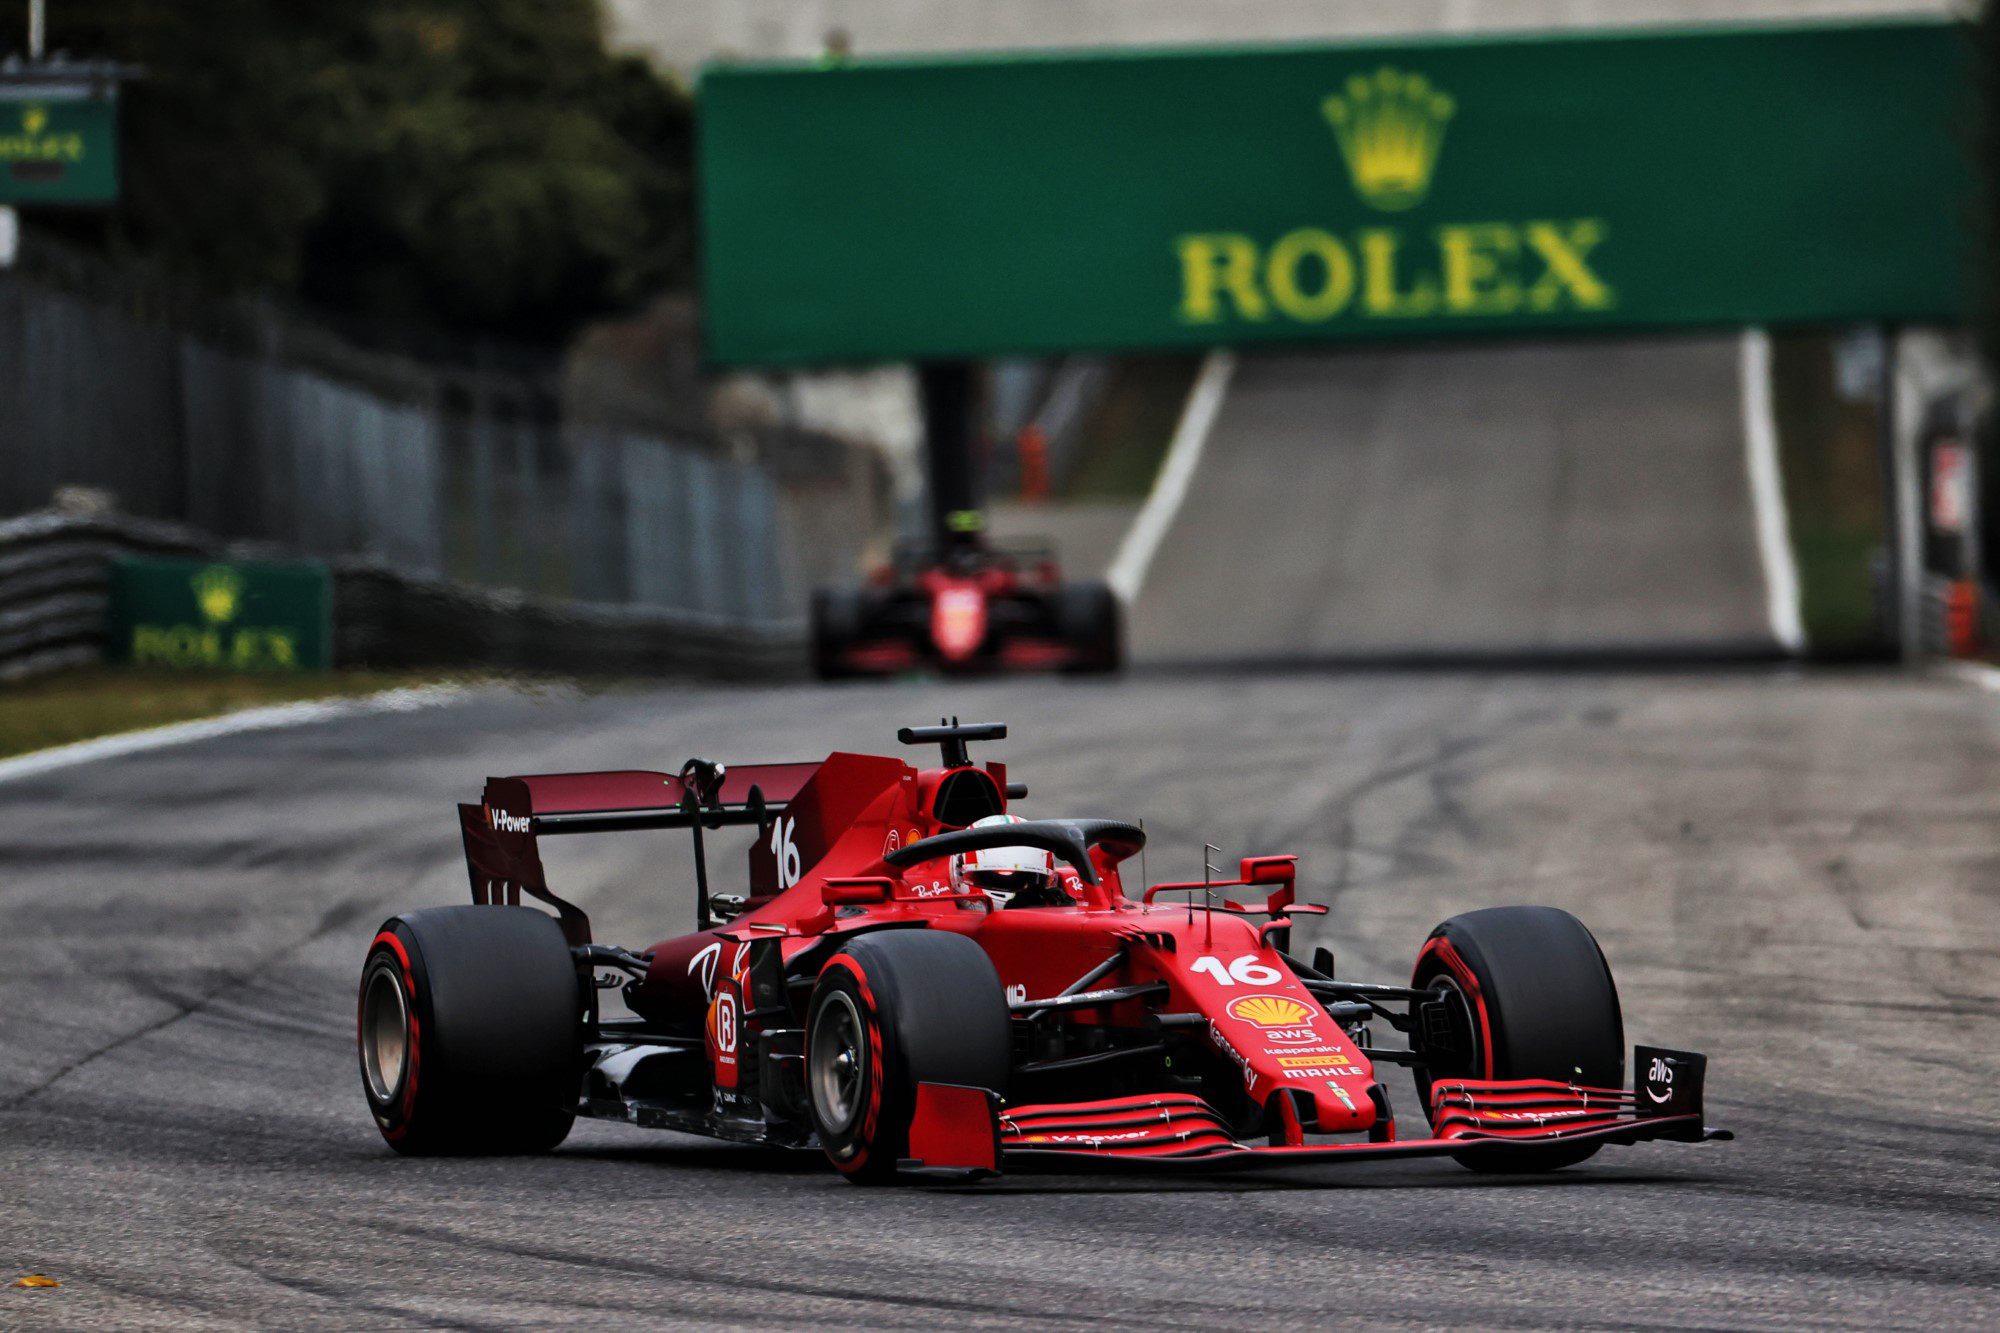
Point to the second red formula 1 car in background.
(916, 981)
(974, 606)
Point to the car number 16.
(1245, 969)
(785, 852)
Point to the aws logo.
(1389, 127)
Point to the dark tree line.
(450, 165)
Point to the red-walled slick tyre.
(1527, 995)
(890, 1011)
(469, 1025)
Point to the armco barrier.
(387, 620)
(55, 570)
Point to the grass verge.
(101, 701)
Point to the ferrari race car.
(918, 982)
(977, 607)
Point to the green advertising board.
(980, 206)
(238, 616)
(57, 146)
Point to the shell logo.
(1269, 1011)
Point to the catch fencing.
(249, 426)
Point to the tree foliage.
(457, 164)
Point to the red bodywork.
(1212, 963)
(985, 609)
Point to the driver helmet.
(1009, 876)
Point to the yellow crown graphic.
(216, 590)
(1270, 1011)
(1390, 126)
(33, 118)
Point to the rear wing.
(501, 833)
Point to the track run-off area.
(1792, 871)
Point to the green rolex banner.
(236, 616)
(57, 146)
(979, 206)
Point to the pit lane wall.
(1199, 198)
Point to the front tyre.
(469, 1024)
(835, 617)
(1089, 619)
(1521, 992)
(890, 1011)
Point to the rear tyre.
(1528, 995)
(1088, 617)
(890, 1011)
(469, 1025)
(836, 621)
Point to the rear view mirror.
(855, 892)
(1269, 869)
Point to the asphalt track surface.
(1797, 874)
(1467, 502)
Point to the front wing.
(1483, 1116)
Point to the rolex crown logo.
(1390, 126)
(216, 590)
(34, 119)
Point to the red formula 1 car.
(864, 999)
(976, 607)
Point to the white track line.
(1976, 674)
(229, 724)
(1767, 494)
(1135, 553)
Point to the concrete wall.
(683, 33)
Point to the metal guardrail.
(55, 572)
(390, 621)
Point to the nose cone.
(1343, 1105)
(958, 622)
